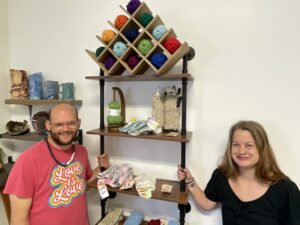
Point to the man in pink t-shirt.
(48, 181)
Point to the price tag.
(102, 190)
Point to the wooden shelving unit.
(175, 196)
(31, 136)
(30, 102)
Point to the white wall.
(4, 79)
(245, 68)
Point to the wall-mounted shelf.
(175, 196)
(31, 136)
(31, 102)
(146, 77)
(160, 137)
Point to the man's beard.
(56, 139)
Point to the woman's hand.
(184, 174)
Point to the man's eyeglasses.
(71, 125)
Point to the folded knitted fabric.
(136, 128)
(144, 185)
(116, 175)
(135, 218)
(112, 218)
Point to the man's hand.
(103, 160)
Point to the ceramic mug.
(67, 91)
(50, 89)
(36, 86)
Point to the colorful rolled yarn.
(158, 59)
(99, 51)
(132, 6)
(145, 46)
(145, 19)
(131, 33)
(172, 44)
(159, 31)
(133, 61)
(109, 62)
(120, 21)
(108, 35)
(119, 48)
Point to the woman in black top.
(248, 183)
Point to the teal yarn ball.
(99, 51)
(159, 31)
(145, 19)
(158, 59)
(145, 46)
(119, 48)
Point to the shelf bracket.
(30, 111)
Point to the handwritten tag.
(102, 190)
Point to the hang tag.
(102, 190)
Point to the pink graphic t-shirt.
(57, 192)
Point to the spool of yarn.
(120, 21)
(132, 6)
(119, 48)
(133, 61)
(131, 33)
(158, 59)
(145, 46)
(172, 44)
(108, 35)
(114, 116)
(159, 31)
(99, 51)
(145, 19)
(109, 62)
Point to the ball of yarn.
(172, 44)
(120, 21)
(133, 61)
(114, 117)
(108, 35)
(145, 46)
(131, 33)
(109, 62)
(119, 48)
(159, 31)
(145, 19)
(132, 6)
(99, 51)
(158, 59)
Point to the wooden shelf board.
(31, 136)
(41, 102)
(162, 137)
(146, 77)
(175, 196)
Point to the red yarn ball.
(172, 44)
(120, 21)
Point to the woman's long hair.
(267, 169)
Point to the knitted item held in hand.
(112, 218)
(144, 185)
(135, 218)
